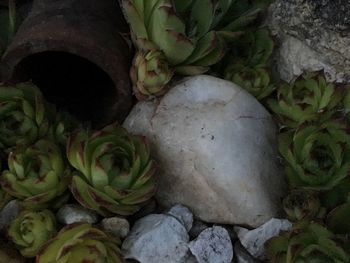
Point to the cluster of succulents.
(248, 63)
(315, 146)
(51, 155)
(183, 37)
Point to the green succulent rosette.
(338, 219)
(254, 80)
(32, 229)
(192, 35)
(24, 116)
(79, 243)
(116, 174)
(301, 205)
(316, 157)
(309, 99)
(38, 175)
(150, 73)
(307, 242)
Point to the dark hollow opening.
(71, 82)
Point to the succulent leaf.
(255, 80)
(191, 35)
(150, 73)
(37, 174)
(338, 219)
(309, 99)
(301, 205)
(31, 229)
(116, 174)
(24, 116)
(80, 243)
(317, 158)
(306, 242)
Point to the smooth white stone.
(216, 148)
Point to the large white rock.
(216, 148)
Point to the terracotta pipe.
(75, 51)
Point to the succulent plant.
(116, 173)
(337, 196)
(149, 72)
(80, 243)
(192, 35)
(317, 157)
(31, 229)
(301, 205)
(307, 242)
(38, 175)
(24, 116)
(309, 99)
(248, 61)
(338, 219)
(255, 80)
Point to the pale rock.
(119, 227)
(253, 240)
(213, 245)
(312, 35)
(183, 214)
(216, 148)
(71, 213)
(294, 57)
(9, 213)
(157, 238)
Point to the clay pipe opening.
(69, 81)
(77, 53)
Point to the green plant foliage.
(301, 205)
(192, 35)
(80, 243)
(116, 174)
(24, 116)
(309, 99)
(307, 242)
(31, 229)
(38, 174)
(316, 157)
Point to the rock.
(313, 35)
(216, 148)
(9, 213)
(294, 57)
(254, 240)
(71, 213)
(197, 227)
(212, 245)
(242, 255)
(183, 214)
(119, 227)
(157, 238)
